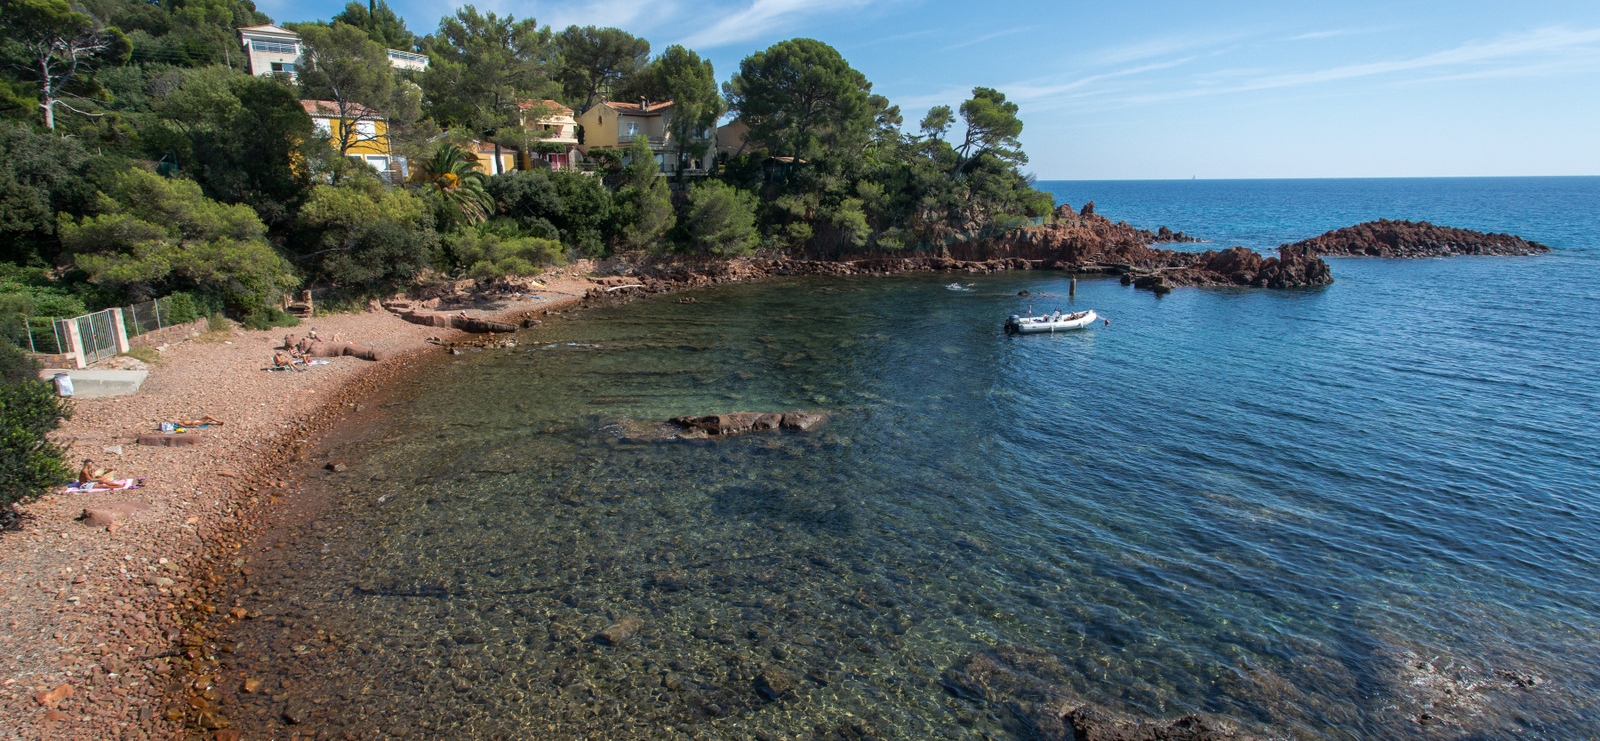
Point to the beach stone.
(56, 716)
(620, 631)
(51, 698)
(104, 515)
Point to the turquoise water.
(1362, 511)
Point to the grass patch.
(147, 355)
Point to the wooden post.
(1072, 289)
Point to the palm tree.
(455, 176)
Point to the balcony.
(656, 142)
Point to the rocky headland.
(1079, 242)
(1385, 238)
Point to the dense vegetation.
(30, 464)
(138, 160)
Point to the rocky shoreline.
(1412, 239)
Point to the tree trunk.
(47, 101)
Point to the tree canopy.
(594, 60)
(185, 173)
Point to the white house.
(272, 49)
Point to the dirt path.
(98, 609)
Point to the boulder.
(105, 515)
(170, 440)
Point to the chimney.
(644, 104)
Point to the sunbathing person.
(91, 475)
(284, 360)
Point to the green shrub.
(30, 464)
(485, 254)
(721, 220)
(267, 319)
(181, 308)
(15, 367)
(217, 323)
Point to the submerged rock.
(620, 631)
(733, 423)
(773, 683)
(1030, 685)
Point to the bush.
(217, 323)
(721, 220)
(269, 318)
(485, 254)
(160, 234)
(15, 366)
(30, 464)
(578, 206)
(181, 309)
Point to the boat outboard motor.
(1011, 323)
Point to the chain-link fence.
(36, 334)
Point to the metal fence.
(37, 334)
(98, 332)
(150, 316)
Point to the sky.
(1171, 89)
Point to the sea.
(1366, 510)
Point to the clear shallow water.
(1282, 507)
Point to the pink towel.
(95, 486)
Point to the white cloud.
(987, 37)
(762, 17)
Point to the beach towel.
(94, 487)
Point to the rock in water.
(773, 682)
(1385, 238)
(1032, 686)
(733, 423)
(802, 420)
(620, 631)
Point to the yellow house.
(487, 161)
(556, 128)
(367, 131)
(613, 125)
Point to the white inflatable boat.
(1050, 323)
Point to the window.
(633, 129)
(323, 126)
(283, 66)
(275, 47)
(367, 129)
(378, 162)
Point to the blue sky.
(1168, 89)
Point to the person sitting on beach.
(281, 360)
(89, 475)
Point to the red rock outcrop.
(1385, 238)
